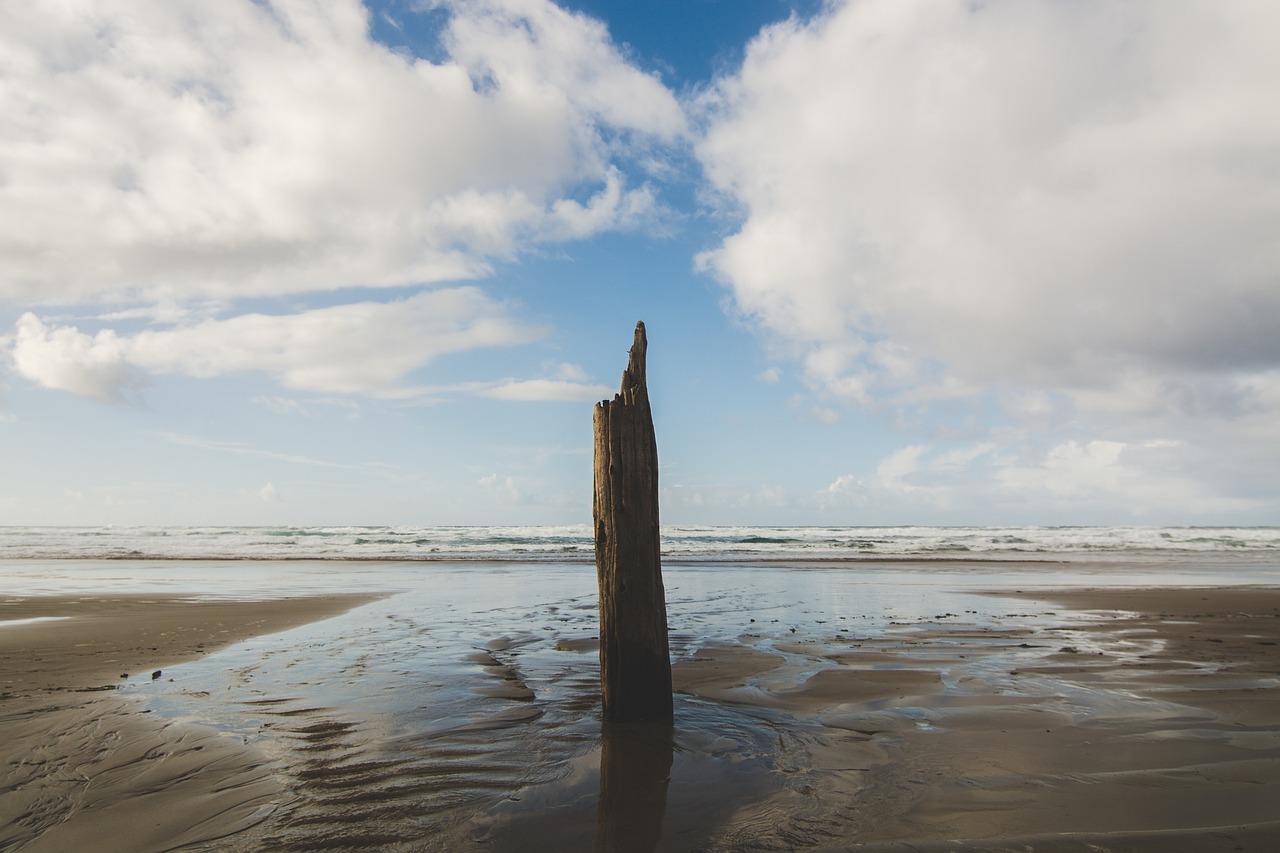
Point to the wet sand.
(82, 768)
(1085, 719)
(1151, 725)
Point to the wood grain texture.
(635, 664)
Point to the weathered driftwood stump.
(635, 664)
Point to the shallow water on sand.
(462, 711)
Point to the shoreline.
(95, 639)
(83, 766)
(1127, 719)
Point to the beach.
(85, 769)
(985, 706)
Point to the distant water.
(693, 544)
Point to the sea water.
(273, 561)
(574, 542)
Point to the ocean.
(573, 543)
(276, 561)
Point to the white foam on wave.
(575, 542)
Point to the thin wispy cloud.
(531, 390)
(239, 449)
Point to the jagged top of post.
(635, 361)
(633, 378)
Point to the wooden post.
(635, 663)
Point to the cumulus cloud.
(1134, 479)
(533, 44)
(365, 347)
(166, 149)
(915, 475)
(1073, 481)
(70, 360)
(941, 198)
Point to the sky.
(978, 262)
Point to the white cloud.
(568, 372)
(915, 477)
(310, 407)
(164, 149)
(69, 360)
(269, 494)
(1019, 193)
(567, 383)
(545, 390)
(1060, 217)
(844, 484)
(895, 470)
(1131, 480)
(282, 405)
(823, 415)
(1071, 470)
(365, 347)
(503, 490)
(536, 45)
(1092, 481)
(962, 457)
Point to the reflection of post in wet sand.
(635, 767)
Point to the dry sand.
(1148, 720)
